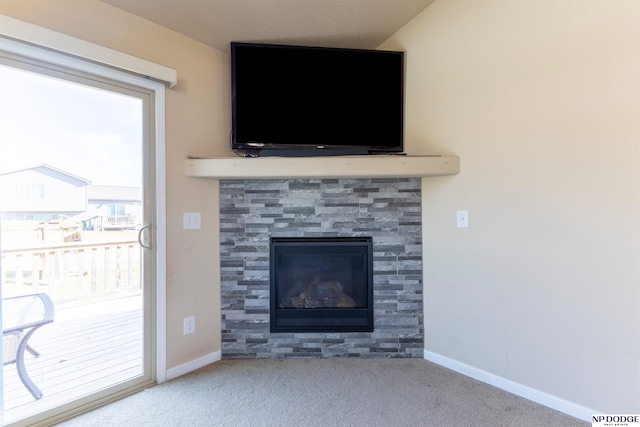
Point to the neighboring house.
(42, 193)
(113, 208)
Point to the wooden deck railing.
(73, 271)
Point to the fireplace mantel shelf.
(380, 166)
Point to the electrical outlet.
(189, 325)
(191, 221)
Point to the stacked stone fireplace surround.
(388, 210)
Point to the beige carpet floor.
(324, 392)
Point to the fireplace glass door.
(321, 284)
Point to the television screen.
(293, 99)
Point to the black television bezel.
(303, 150)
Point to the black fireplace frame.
(302, 320)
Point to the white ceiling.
(333, 23)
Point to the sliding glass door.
(76, 209)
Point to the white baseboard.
(546, 399)
(193, 365)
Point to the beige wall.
(197, 122)
(541, 101)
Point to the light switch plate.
(192, 221)
(462, 219)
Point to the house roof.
(109, 193)
(47, 170)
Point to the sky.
(91, 133)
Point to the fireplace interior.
(321, 284)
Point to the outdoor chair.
(21, 317)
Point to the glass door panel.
(73, 201)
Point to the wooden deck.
(85, 349)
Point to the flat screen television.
(306, 101)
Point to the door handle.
(140, 237)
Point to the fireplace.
(321, 284)
(254, 211)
